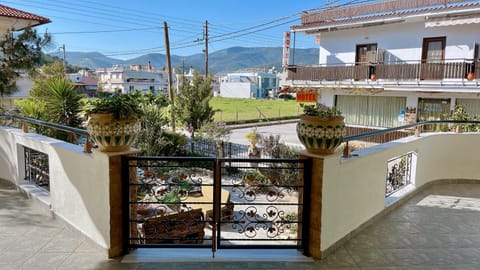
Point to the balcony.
(405, 71)
(355, 203)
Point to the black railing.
(399, 173)
(37, 168)
(215, 203)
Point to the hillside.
(222, 61)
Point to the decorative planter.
(373, 77)
(321, 136)
(112, 135)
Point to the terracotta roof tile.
(19, 14)
(366, 18)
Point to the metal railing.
(215, 203)
(399, 173)
(73, 135)
(414, 129)
(398, 71)
(37, 168)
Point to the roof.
(389, 15)
(19, 14)
(87, 81)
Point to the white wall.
(79, 182)
(235, 89)
(354, 189)
(338, 47)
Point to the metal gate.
(215, 203)
(37, 168)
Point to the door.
(433, 56)
(433, 109)
(365, 58)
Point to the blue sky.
(126, 29)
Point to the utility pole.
(169, 71)
(206, 48)
(64, 59)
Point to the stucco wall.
(354, 189)
(79, 182)
(338, 47)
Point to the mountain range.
(221, 61)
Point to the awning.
(451, 21)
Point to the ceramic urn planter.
(112, 135)
(321, 136)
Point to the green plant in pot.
(113, 122)
(321, 129)
(253, 137)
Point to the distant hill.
(222, 61)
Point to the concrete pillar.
(315, 226)
(116, 248)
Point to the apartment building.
(389, 63)
(118, 79)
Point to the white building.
(189, 77)
(385, 62)
(249, 85)
(136, 77)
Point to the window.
(371, 111)
(433, 54)
(365, 58)
(366, 53)
(433, 50)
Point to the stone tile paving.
(436, 229)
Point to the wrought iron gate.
(215, 203)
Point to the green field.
(241, 109)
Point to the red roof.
(19, 14)
(384, 15)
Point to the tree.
(62, 102)
(192, 104)
(41, 77)
(20, 52)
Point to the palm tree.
(62, 102)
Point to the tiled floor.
(436, 229)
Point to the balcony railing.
(70, 134)
(398, 71)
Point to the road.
(287, 133)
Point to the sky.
(126, 29)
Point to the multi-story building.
(249, 85)
(136, 77)
(388, 63)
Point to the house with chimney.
(390, 63)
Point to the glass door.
(433, 109)
(433, 56)
(365, 59)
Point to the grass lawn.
(240, 109)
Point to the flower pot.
(112, 135)
(373, 77)
(321, 136)
(470, 76)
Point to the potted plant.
(113, 122)
(253, 137)
(321, 128)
